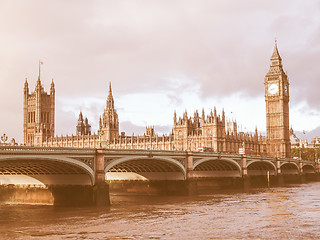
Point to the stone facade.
(212, 131)
(38, 114)
(277, 108)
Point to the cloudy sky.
(160, 56)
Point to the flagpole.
(39, 68)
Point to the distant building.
(294, 140)
(315, 142)
(211, 131)
(303, 143)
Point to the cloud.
(168, 49)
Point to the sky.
(161, 57)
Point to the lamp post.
(4, 138)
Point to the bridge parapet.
(44, 150)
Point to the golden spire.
(275, 54)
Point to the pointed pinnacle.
(110, 90)
(275, 53)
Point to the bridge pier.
(246, 184)
(190, 185)
(245, 178)
(101, 195)
(302, 178)
(280, 179)
(189, 168)
(101, 188)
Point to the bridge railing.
(55, 150)
(65, 150)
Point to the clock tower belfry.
(277, 108)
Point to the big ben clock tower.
(277, 108)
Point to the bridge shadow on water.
(83, 195)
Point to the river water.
(278, 213)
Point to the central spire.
(275, 61)
(275, 54)
(110, 89)
(110, 101)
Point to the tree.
(306, 153)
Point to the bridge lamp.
(4, 138)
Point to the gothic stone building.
(189, 133)
(277, 108)
(38, 114)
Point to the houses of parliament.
(211, 130)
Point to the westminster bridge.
(73, 173)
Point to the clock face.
(273, 88)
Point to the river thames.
(291, 212)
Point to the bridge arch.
(261, 168)
(48, 170)
(145, 168)
(308, 168)
(289, 168)
(216, 167)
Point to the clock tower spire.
(277, 108)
